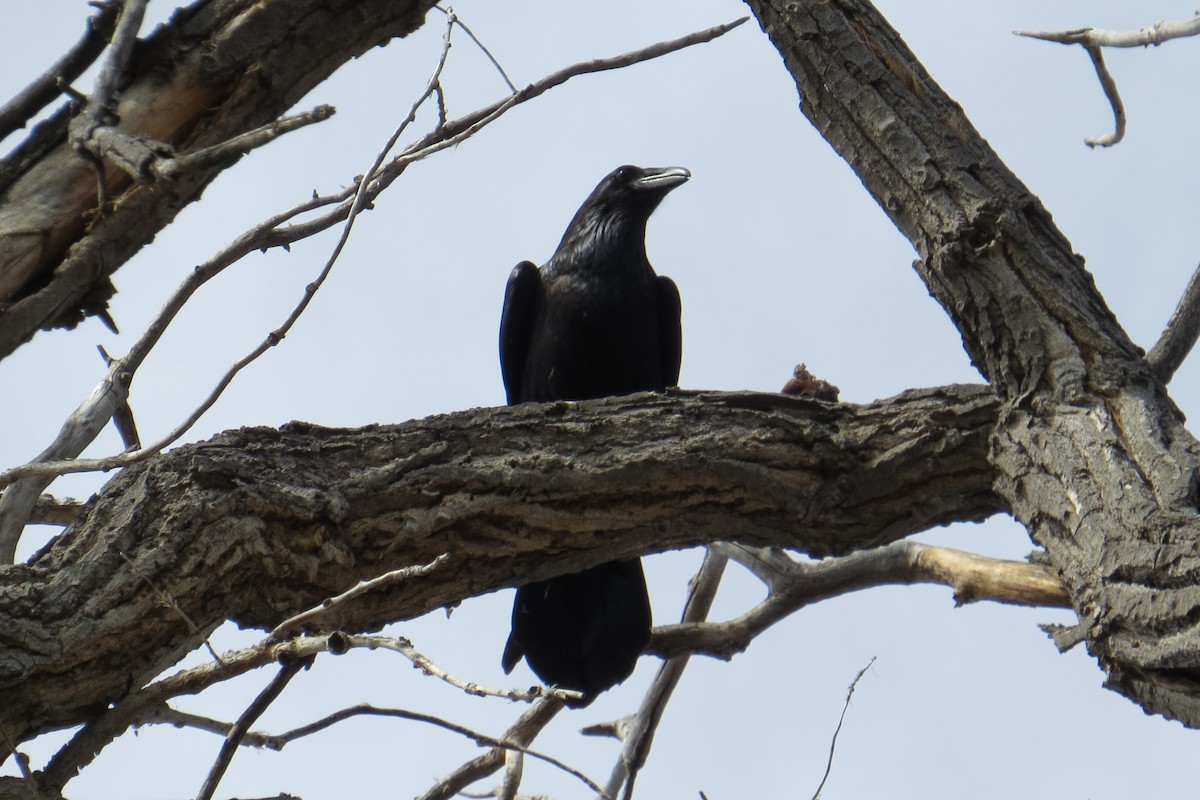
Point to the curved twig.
(1093, 39)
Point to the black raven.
(594, 321)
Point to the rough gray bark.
(1090, 452)
(258, 524)
(219, 69)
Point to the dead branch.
(1092, 40)
(17, 112)
(794, 585)
(238, 732)
(838, 729)
(307, 618)
(422, 662)
(638, 736)
(521, 733)
(481, 739)
(1180, 335)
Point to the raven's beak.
(661, 179)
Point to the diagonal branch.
(17, 112)
(516, 739)
(637, 741)
(238, 732)
(1090, 453)
(1179, 337)
(795, 585)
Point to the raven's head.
(635, 190)
(616, 211)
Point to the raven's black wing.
(670, 330)
(522, 305)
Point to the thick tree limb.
(259, 524)
(218, 69)
(1091, 455)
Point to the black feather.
(594, 321)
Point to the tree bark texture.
(219, 68)
(258, 524)
(1090, 452)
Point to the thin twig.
(520, 733)
(449, 12)
(239, 145)
(298, 621)
(637, 742)
(481, 739)
(398, 644)
(45, 88)
(838, 729)
(233, 739)
(165, 715)
(1179, 336)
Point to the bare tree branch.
(1114, 99)
(637, 741)
(239, 70)
(794, 585)
(521, 734)
(1155, 34)
(315, 500)
(1093, 39)
(329, 604)
(838, 729)
(19, 110)
(482, 739)
(405, 648)
(1092, 456)
(1180, 335)
(470, 34)
(238, 732)
(165, 715)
